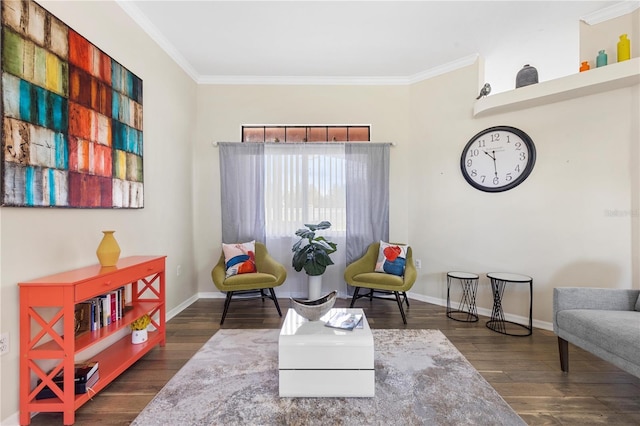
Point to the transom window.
(290, 134)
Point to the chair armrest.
(366, 263)
(219, 272)
(410, 272)
(609, 299)
(268, 265)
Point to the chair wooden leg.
(262, 293)
(275, 300)
(355, 296)
(406, 299)
(227, 301)
(404, 318)
(563, 349)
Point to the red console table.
(50, 337)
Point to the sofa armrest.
(610, 299)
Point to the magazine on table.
(344, 320)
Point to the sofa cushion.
(612, 331)
(239, 258)
(392, 258)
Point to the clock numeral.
(469, 162)
(495, 137)
(483, 178)
(517, 169)
(474, 152)
(474, 173)
(496, 180)
(508, 139)
(518, 146)
(508, 177)
(523, 156)
(481, 143)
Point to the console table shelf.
(51, 337)
(597, 80)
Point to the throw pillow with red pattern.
(392, 258)
(240, 258)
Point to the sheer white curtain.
(305, 183)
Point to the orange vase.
(108, 251)
(585, 66)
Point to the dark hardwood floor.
(524, 370)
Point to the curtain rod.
(215, 144)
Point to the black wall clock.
(498, 159)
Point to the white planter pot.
(315, 287)
(139, 336)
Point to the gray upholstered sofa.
(605, 322)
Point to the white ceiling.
(387, 40)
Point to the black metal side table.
(497, 322)
(467, 311)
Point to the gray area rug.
(421, 379)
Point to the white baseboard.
(486, 312)
(433, 300)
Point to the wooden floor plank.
(524, 370)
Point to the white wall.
(35, 242)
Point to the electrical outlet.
(418, 263)
(4, 343)
(178, 270)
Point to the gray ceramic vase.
(526, 76)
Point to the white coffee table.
(319, 361)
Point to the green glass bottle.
(601, 60)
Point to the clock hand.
(495, 169)
(491, 156)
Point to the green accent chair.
(361, 274)
(270, 274)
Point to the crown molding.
(610, 12)
(443, 69)
(139, 18)
(340, 81)
(302, 80)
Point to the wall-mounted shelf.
(597, 80)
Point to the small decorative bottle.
(624, 48)
(526, 76)
(601, 60)
(585, 66)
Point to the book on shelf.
(344, 320)
(82, 317)
(83, 371)
(81, 387)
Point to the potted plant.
(139, 332)
(311, 253)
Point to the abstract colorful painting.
(71, 117)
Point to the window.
(306, 134)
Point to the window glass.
(296, 134)
(338, 134)
(274, 134)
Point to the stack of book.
(100, 311)
(86, 375)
